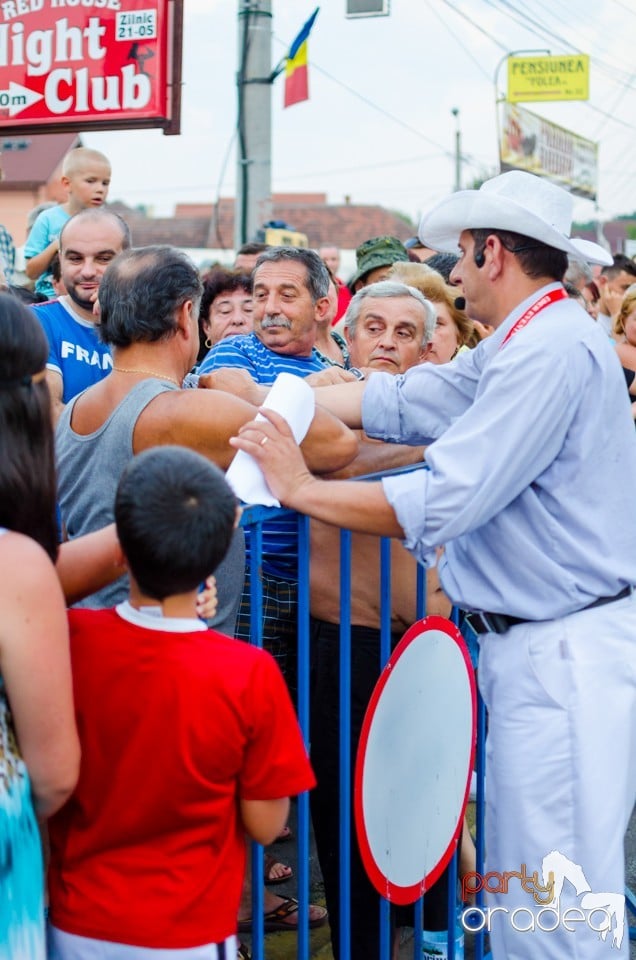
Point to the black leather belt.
(501, 622)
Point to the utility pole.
(458, 151)
(254, 79)
(500, 97)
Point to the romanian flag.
(296, 79)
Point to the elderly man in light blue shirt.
(532, 464)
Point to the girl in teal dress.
(21, 870)
(39, 750)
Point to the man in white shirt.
(534, 427)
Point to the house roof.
(32, 160)
(212, 226)
(615, 233)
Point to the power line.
(476, 26)
(215, 208)
(625, 7)
(458, 41)
(560, 12)
(546, 33)
(374, 106)
(381, 110)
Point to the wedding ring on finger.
(264, 441)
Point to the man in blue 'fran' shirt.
(77, 357)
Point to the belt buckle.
(479, 622)
(484, 622)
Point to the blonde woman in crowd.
(625, 336)
(454, 330)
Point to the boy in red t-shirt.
(189, 738)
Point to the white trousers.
(561, 781)
(68, 946)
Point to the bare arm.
(89, 563)
(36, 668)
(361, 507)
(330, 376)
(342, 397)
(375, 456)
(204, 420)
(264, 819)
(329, 444)
(40, 263)
(627, 355)
(344, 400)
(237, 381)
(56, 389)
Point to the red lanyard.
(532, 311)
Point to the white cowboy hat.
(516, 201)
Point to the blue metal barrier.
(254, 518)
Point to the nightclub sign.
(89, 64)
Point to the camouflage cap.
(377, 252)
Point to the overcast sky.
(378, 125)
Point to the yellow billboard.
(548, 78)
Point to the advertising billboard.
(529, 142)
(548, 78)
(89, 64)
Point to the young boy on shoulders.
(189, 738)
(86, 174)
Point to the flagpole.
(254, 80)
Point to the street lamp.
(458, 151)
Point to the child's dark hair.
(175, 516)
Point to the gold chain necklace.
(149, 373)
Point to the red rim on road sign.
(415, 760)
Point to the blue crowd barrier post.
(256, 638)
(480, 839)
(385, 653)
(254, 518)
(630, 900)
(345, 744)
(303, 717)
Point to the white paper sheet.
(294, 400)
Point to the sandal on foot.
(285, 834)
(278, 919)
(269, 865)
(243, 952)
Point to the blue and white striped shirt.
(247, 352)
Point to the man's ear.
(185, 316)
(321, 308)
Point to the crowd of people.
(141, 734)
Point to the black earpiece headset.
(480, 256)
